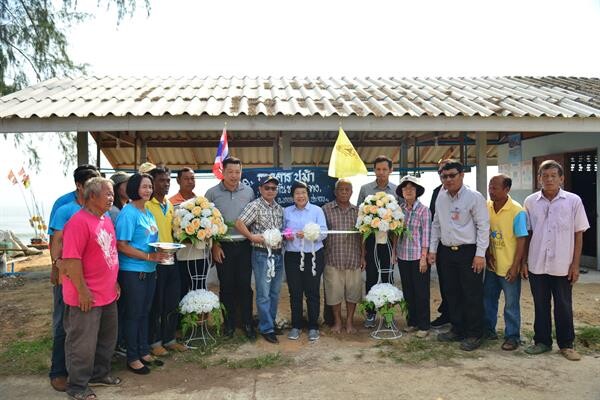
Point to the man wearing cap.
(146, 168)
(383, 169)
(259, 215)
(459, 239)
(232, 256)
(119, 180)
(411, 251)
(187, 182)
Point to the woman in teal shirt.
(136, 228)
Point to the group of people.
(101, 257)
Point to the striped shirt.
(259, 216)
(342, 251)
(418, 222)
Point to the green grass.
(22, 357)
(589, 336)
(265, 361)
(414, 351)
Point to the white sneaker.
(409, 329)
(422, 334)
(294, 334)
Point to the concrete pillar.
(82, 148)
(285, 150)
(481, 151)
(98, 150)
(143, 151)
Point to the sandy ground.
(337, 366)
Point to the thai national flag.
(222, 154)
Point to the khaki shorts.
(342, 284)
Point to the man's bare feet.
(350, 329)
(337, 328)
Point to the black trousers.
(163, 314)
(303, 283)
(464, 289)
(415, 286)
(235, 275)
(443, 307)
(544, 288)
(372, 273)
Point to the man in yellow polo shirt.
(508, 233)
(163, 314)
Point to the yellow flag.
(345, 161)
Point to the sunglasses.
(270, 188)
(448, 176)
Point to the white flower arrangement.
(380, 213)
(312, 233)
(198, 220)
(197, 303)
(273, 239)
(383, 298)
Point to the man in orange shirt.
(187, 182)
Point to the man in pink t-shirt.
(556, 221)
(90, 291)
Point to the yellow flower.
(216, 212)
(204, 203)
(189, 206)
(385, 200)
(375, 222)
(197, 211)
(363, 228)
(394, 225)
(223, 229)
(190, 229)
(379, 203)
(201, 234)
(195, 223)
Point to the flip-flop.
(108, 380)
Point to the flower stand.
(386, 328)
(200, 334)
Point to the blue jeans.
(59, 366)
(137, 291)
(492, 286)
(267, 293)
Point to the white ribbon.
(312, 233)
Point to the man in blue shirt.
(59, 216)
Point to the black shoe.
(470, 344)
(440, 321)
(250, 332)
(140, 371)
(228, 332)
(278, 331)
(490, 335)
(154, 363)
(449, 337)
(270, 337)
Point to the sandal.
(108, 380)
(155, 362)
(88, 394)
(510, 345)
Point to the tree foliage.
(34, 46)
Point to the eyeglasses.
(270, 188)
(448, 176)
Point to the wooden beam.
(82, 148)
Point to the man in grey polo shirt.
(383, 168)
(232, 257)
(459, 238)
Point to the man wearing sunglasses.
(444, 318)
(258, 216)
(459, 239)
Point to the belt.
(233, 242)
(264, 250)
(457, 248)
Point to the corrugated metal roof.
(251, 96)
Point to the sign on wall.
(320, 185)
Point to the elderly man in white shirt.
(556, 221)
(459, 239)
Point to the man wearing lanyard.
(383, 168)
(258, 216)
(163, 314)
(459, 240)
(232, 256)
